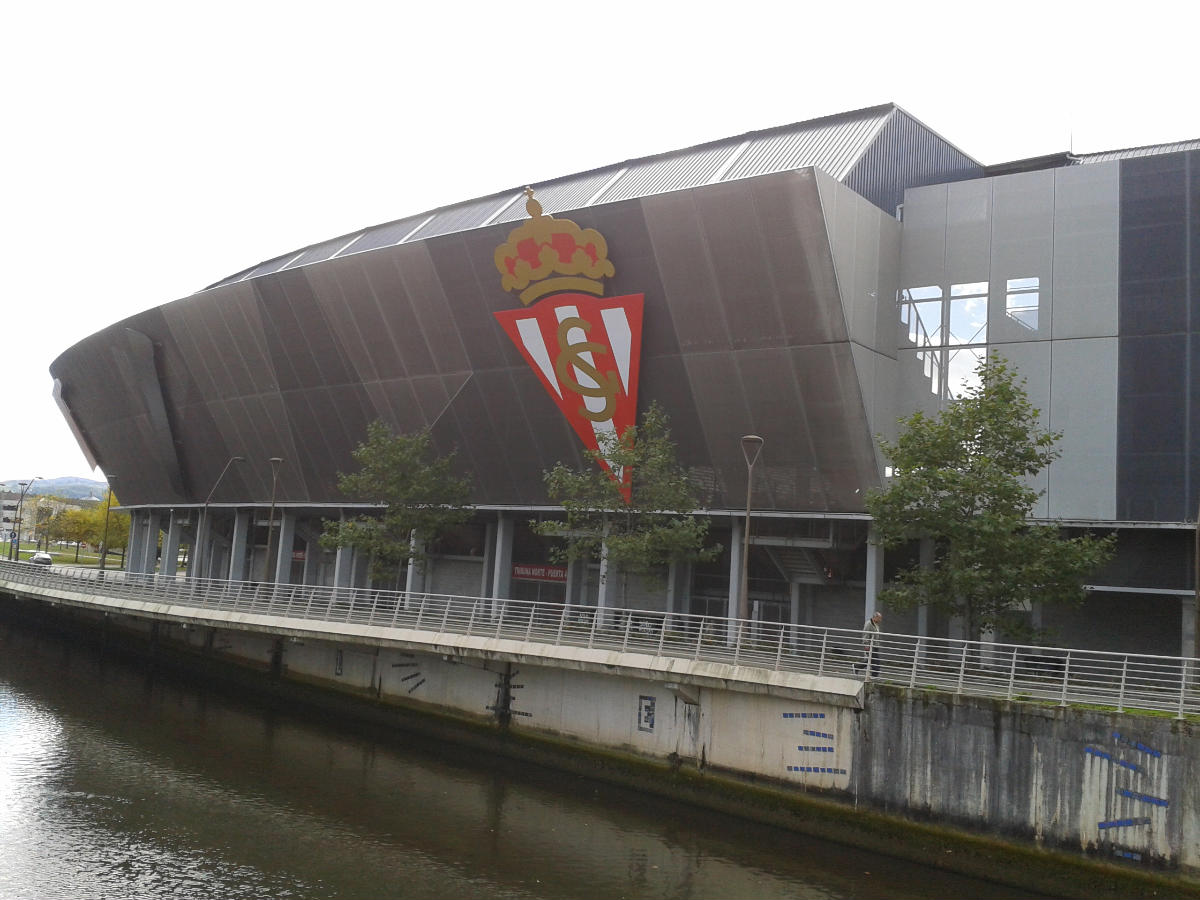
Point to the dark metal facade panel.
(906, 154)
(832, 146)
(1158, 303)
(743, 333)
(678, 171)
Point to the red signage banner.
(525, 572)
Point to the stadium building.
(808, 284)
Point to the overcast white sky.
(151, 149)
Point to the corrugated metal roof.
(1134, 152)
(570, 193)
(831, 146)
(384, 235)
(676, 172)
(834, 144)
(320, 251)
(462, 217)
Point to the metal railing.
(1058, 675)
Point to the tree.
(417, 492)
(110, 528)
(962, 480)
(78, 526)
(642, 535)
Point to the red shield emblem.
(585, 352)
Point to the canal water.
(119, 783)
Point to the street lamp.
(203, 523)
(275, 462)
(25, 486)
(107, 507)
(751, 448)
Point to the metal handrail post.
(1183, 680)
(912, 678)
(500, 617)
(699, 639)
(1012, 673)
(821, 658)
(662, 634)
(628, 626)
(562, 622)
(962, 668)
(471, 620)
(529, 627)
(779, 649)
(592, 633)
(737, 644)
(421, 609)
(1066, 678)
(1121, 692)
(445, 616)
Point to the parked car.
(42, 558)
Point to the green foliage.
(962, 480)
(655, 527)
(418, 493)
(118, 524)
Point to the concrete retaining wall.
(1117, 784)
(1124, 785)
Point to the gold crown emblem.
(545, 254)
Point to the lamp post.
(751, 448)
(203, 523)
(275, 462)
(107, 508)
(25, 486)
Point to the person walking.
(870, 640)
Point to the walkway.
(792, 659)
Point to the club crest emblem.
(584, 348)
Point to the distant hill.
(69, 487)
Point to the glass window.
(967, 290)
(954, 328)
(921, 314)
(960, 371)
(1021, 301)
(968, 321)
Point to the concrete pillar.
(572, 597)
(736, 541)
(201, 545)
(1187, 645)
(489, 560)
(502, 567)
(237, 548)
(150, 542)
(285, 538)
(134, 549)
(874, 573)
(679, 597)
(415, 581)
(343, 566)
(169, 564)
(925, 560)
(603, 594)
(312, 560)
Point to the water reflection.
(116, 785)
